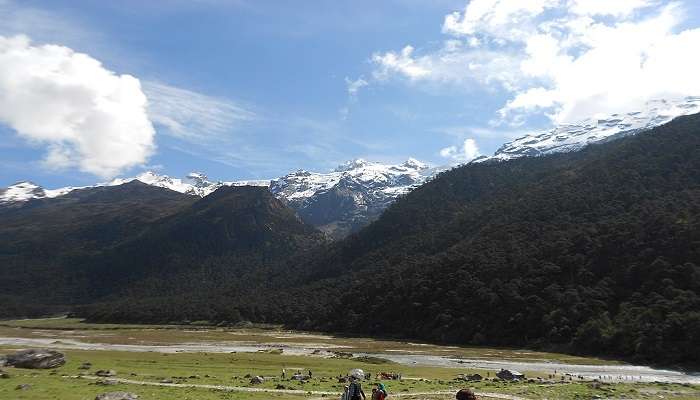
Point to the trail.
(284, 391)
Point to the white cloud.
(401, 62)
(619, 8)
(354, 86)
(467, 152)
(87, 116)
(565, 59)
(194, 116)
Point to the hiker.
(344, 396)
(381, 391)
(355, 390)
(284, 374)
(466, 394)
(310, 374)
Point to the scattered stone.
(194, 377)
(86, 365)
(35, 359)
(300, 377)
(106, 382)
(470, 378)
(256, 380)
(117, 396)
(23, 386)
(508, 375)
(106, 372)
(247, 376)
(167, 381)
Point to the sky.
(254, 89)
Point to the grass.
(170, 334)
(231, 369)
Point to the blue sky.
(255, 89)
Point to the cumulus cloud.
(468, 151)
(566, 59)
(87, 116)
(194, 116)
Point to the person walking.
(381, 391)
(355, 391)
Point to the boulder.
(106, 372)
(508, 375)
(36, 359)
(117, 396)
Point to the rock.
(4, 375)
(86, 365)
(23, 386)
(167, 381)
(106, 382)
(117, 396)
(256, 380)
(36, 359)
(508, 375)
(106, 372)
(280, 387)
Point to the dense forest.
(594, 252)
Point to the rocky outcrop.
(117, 396)
(35, 359)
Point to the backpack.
(354, 391)
(382, 395)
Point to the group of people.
(354, 391)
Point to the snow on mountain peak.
(415, 164)
(22, 191)
(575, 136)
(351, 165)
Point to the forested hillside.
(596, 252)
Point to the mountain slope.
(595, 251)
(43, 242)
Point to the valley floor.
(166, 362)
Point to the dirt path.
(285, 391)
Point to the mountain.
(595, 251)
(349, 197)
(45, 242)
(575, 136)
(338, 202)
(100, 242)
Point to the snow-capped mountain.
(338, 202)
(194, 184)
(356, 192)
(351, 195)
(572, 137)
